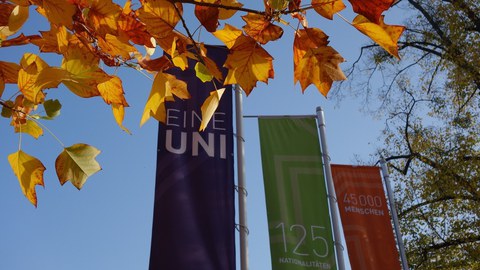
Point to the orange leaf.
(112, 91)
(384, 35)
(160, 16)
(371, 9)
(228, 13)
(103, 16)
(135, 30)
(159, 64)
(8, 74)
(21, 109)
(247, 62)
(327, 8)
(306, 39)
(208, 16)
(261, 29)
(59, 12)
(319, 66)
(29, 171)
(115, 46)
(12, 18)
(20, 40)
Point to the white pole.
(393, 209)
(331, 191)
(242, 190)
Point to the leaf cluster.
(90, 35)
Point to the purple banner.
(194, 216)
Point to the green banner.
(298, 216)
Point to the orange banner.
(365, 218)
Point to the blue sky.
(107, 225)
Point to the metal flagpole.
(331, 190)
(242, 191)
(393, 209)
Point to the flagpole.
(331, 191)
(242, 190)
(393, 210)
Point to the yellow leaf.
(76, 163)
(59, 12)
(319, 66)
(103, 16)
(176, 87)
(116, 47)
(278, 4)
(201, 71)
(83, 72)
(384, 35)
(31, 128)
(228, 13)
(306, 39)
(155, 106)
(247, 64)
(228, 35)
(119, 114)
(209, 107)
(328, 8)
(160, 16)
(112, 91)
(179, 59)
(261, 29)
(29, 171)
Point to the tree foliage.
(92, 35)
(432, 101)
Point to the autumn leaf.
(159, 94)
(328, 8)
(118, 111)
(135, 30)
(384, 35)
(209, 67)
(228, 13)
(319, 66)
(178, 56)
(158, 64)
(202, 72)
(116, 46)
(247, 62)
(164, 87)
(37, 76)
(371, 9)
(20, 40)
(103, 16)
(112, 92)
(29, 171)
(159, 16)
(83, 72)
(228, 35)
(261, 29)
(59, 12)
(52, 108)
(76, 163)
(8, 74)
(307, 39)
(20, 110)
(209, 107)
(30, 127)
(12, 18)
(208, 16)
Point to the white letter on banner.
(209, 148)
(183, 143)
